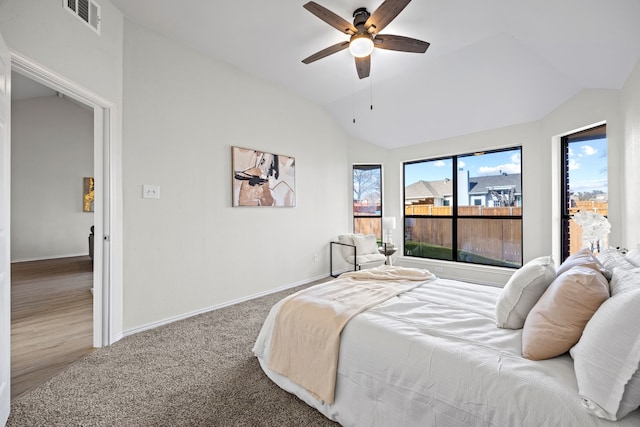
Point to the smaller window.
(584, 183)
(367, 199)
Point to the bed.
(433, 356)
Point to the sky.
(478, 165)
(587, 166)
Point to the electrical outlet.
(315, 258)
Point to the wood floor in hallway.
(51, 318)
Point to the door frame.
(107, 216)
(5, 232)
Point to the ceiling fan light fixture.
(361, 45)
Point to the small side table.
(388, 250)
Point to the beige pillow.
(584, 258)
(522, 291)
(557, 320)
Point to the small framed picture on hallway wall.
(88, 194)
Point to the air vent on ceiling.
(87, 10)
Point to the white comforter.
(305, 339)
(433, 356)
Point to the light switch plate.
(150, 191)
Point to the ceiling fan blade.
(385, 13)
(401, 43)
(326, 52)
(363, 66)
(331, 18)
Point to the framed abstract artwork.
(262, 179)
(88, 194)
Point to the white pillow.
(607, 358)
(347, 239)
(365, 244)
(633, 256)
(522, 291)
(611, 259)
(624, 280)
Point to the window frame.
(455, 216)
(590, 133)
(366, 166)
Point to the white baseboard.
(42, 258)
(216, 307)
(482, 274)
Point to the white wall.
(45, 32)
(630, 105)
(51, 152)
(190, 249)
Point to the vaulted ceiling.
(491, 63)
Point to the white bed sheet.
(433, 356)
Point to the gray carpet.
(195, 372)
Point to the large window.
(465, 208)
(367, 199)
(584, 182)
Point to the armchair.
(357, 250)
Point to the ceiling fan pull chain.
(371, 92)
(353, 101)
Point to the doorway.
(51, 270)
(107, 216)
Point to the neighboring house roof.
(477, 185)
(481, 184)
(423, 189)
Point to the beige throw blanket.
(306, 335)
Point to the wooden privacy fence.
(499, 239)
(367, 225)
(496, 239)
(463, 210)
(589, 205)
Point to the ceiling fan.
(364, 33)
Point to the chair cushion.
(367, 247)
(368, 259)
